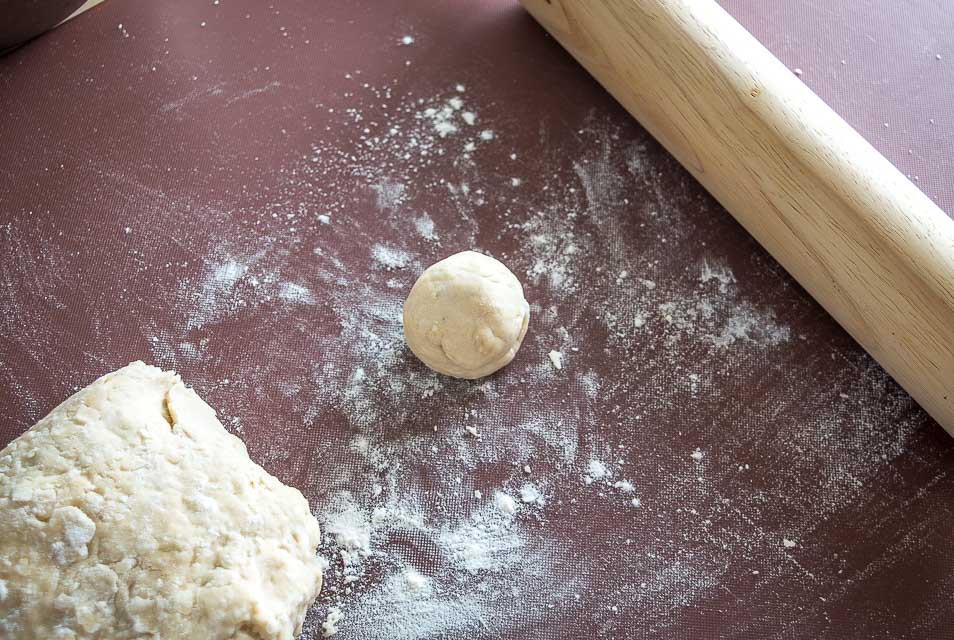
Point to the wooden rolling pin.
(862, 239)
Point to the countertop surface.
(246, 191)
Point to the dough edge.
(129, 510)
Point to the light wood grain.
(862, 239)
(86, 6)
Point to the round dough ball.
(466, 316)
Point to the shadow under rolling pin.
(866, 243)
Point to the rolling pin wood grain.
(862, 239)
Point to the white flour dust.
(435, 515)
(425, 227)
(485, 560)
(233, 282)
(389, 257)
(457, 509)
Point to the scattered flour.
(484, 560)
(483, 543)
(596, 471)
(425, 227)
(415, 583)
(431, 532)
(350, 527)
(389, 194)
(330, 626)
(590, 381)
(719, 316)
(719, 273)
(505, 503)
(235, 282)
(529, 494)
(625, 486)
(291, 292)
(390, 257)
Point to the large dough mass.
(129, 512)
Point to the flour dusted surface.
(676, 335)
(594, 433)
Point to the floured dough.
(129, 512)
(466, 315)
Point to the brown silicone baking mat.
(245, 191)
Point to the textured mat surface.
(246, 191)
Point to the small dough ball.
(466, 316)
